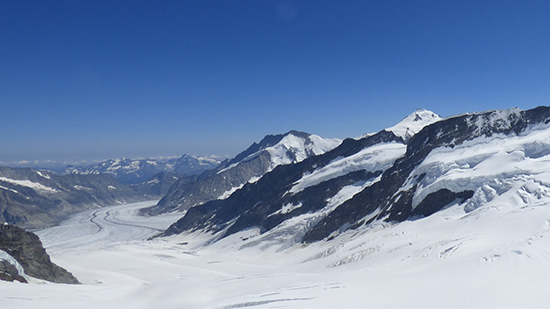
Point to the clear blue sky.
(85, 80)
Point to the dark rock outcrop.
(26, 248)
(8, 272)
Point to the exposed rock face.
(248, 166)
(344, 197)
(26, 248)
(8, 272)
(34, 199)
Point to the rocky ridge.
(22, 255)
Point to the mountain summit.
(247, 167)
(413, 123)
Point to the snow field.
(375, 158)
(510, 168)
(496, 256)
(27, 183)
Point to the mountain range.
(407, 172)
(247, 167)
(135, 171)
(34, 199)
(298, 188)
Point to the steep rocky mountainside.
(34, 199)
(22, 254)
(464, 161)
(246, 167)
(135, 171)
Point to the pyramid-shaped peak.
(414, 122)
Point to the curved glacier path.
(106, 225)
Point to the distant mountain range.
(134, 171)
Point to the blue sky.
(91, 80)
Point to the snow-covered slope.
(246, 167)
(133, 171)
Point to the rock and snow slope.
(318, 184)
(467, 161)
(246, 167)
(23, 251)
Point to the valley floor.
(494, 257)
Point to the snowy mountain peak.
(247, 167)
(297, 146)
(414, 122)
(291, 147)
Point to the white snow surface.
(8, 189)
(228, 193)
(300, 147)
(27, 183)
(496, 256)
(378, 157)
(43, 175)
